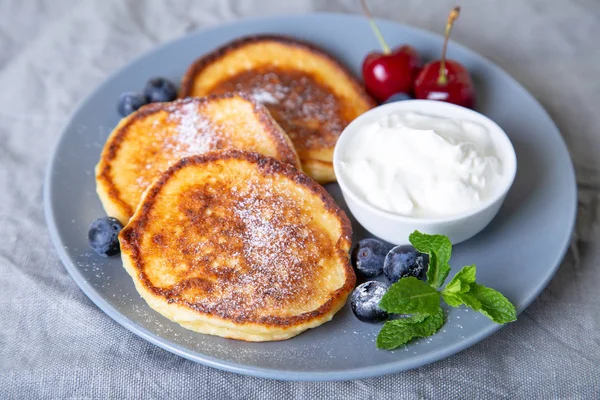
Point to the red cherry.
(446, 80)
(387, 74)
(457, 89)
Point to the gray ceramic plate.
(517, 254)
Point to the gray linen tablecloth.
(54, 343)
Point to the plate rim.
(273, 373)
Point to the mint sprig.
(421, 300)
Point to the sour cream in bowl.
(424, 165)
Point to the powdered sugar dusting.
(369, 295)
(186, 132)
(195, 133)
(142, 182)
(264, 238)
(264, 97)
(271, 236)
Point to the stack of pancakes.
(225, 233)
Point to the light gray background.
(54, 343)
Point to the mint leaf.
(493, 304)
(397, 332)
(462, 280)
(469, 300)
(487, 301)
(439, 249)
(410, 296)
(454, 287)
(452, 300)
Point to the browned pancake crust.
(310, 113)
(132, 235)
(104, 173)
(306, 98)
(201, 63)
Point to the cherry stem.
(384, 46)
(443, 76)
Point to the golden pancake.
(239, 245)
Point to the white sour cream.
(422, 166)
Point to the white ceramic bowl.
(396, 228)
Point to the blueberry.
(129, 102)
(368, 255)
(403, 261)
(397, 97)
(160, 90)
(104, 236)
(365, 299)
